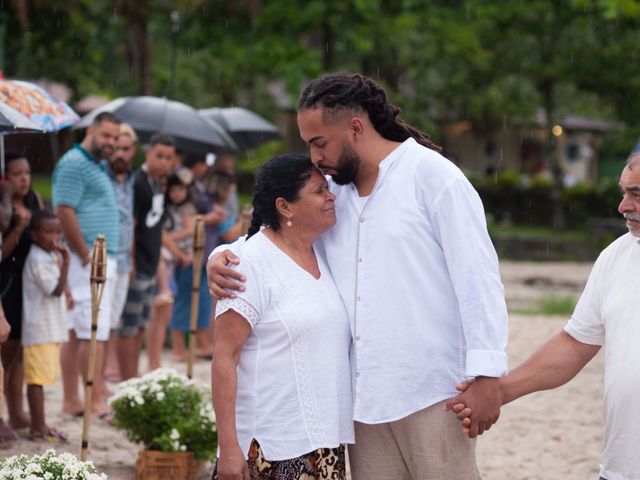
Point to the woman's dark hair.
(11, 157)
(355, 91)
(172, 181)
(282, 176)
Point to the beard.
(348, 166)
(636, 217)
(100, 152)
(119, 165)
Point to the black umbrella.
(248, 129)
(149, 115)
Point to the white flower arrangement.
(166, 411)
(48, 466)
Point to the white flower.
(175, 434)
(160, 396)
(183, 448)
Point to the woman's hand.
(23, 216)
(232, 465)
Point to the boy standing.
(44, 323)
(148, 215)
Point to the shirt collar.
(91, 158)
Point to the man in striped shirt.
(85, 203)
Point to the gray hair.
(632, 160)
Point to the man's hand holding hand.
(478, 406)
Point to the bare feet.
(48, 435)
(75, 409)
(19, 423)
(180, 357)
(7, 436)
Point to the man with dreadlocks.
(415, 267)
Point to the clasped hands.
(478, 405)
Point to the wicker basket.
(154, 465)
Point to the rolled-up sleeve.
(472, 262)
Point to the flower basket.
(152, 465)
(166, 412)
(50, 466)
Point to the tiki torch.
(198, 252)
(98, 279)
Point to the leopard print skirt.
(321, 464)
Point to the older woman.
(280, 374)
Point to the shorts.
(321, 464)
(79, 317)
(137, 308)
(119, 298)
(41, 363)
(181, 315)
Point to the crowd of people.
(147, 216)
(365, 291)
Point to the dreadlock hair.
(354, 91)
(281, 177)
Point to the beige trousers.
(426, 445)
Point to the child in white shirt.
(45, 299)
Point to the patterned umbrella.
(13, 121)
(36, 104)
(248, 129)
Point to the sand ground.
(548, 435)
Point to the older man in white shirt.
(606, 314)
(416, 269)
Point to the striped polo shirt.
(83, 184)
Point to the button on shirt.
(419, 277)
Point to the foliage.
(166, 411)
(509, 197)
(552, 306)
(48, 466)
(493, 63)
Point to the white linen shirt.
(608, 314)
(44, 316)
(419, 278)
(294, 387)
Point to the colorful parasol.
(36, 104)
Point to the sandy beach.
(548, 435)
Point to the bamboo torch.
(98, 279)
(198, 252)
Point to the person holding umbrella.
(86, 205)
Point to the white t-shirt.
(294, 387)
(419, 277)
(608, 314)
(43, 314)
